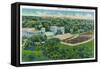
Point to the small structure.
(43, 30)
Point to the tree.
(28, 44)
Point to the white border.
(52, 8)
(57, 8)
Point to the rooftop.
(29, 29)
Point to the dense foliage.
(70, 25)
(53, 49)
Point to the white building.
(42, 30)
(56, 30)
(49, 35)
(53, 29)
(62, 30)
(28, 32)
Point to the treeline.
(70, 25)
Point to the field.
(78, 39)
(37, 45)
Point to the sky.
(55, 11)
